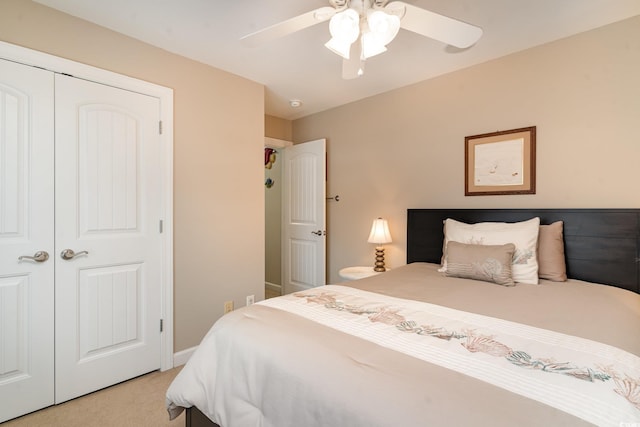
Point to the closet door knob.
(40, 256)
(68, 254)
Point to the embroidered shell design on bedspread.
(627, 387)
(485, 344)
(624, 385)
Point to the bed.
(416, 346)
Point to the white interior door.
(108, 212)
(26, 228)
(303, 211)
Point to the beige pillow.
(489, 263)
(524, 235)
(551, 262)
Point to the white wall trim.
(182, 357)
(165, 95)
(273, 287)
(276, 143)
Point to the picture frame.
(500, 163)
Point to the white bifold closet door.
(26, 228)
(108, 204)
(88, 316)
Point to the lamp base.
(379, 265)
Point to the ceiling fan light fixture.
(376, 23)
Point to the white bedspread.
(582, 377)
(338, 356)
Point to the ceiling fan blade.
(435, 26)
(353, 67)
(289, 26)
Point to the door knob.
(318, 233)
(40, 256)
(68, 254)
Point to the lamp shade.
(371, 45)
(380, 232)
(383, 25)
(339, 47)
(381, 29)
(344, 28)
(345, 25)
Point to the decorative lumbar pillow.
(489, 263)
(524, 235)
(551, 262)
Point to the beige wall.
(405, 148)
(218, 141)
(275, 127)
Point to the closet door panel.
(26, 229)
(108, 170)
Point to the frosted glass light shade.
(345, 29)
(380, 232)
(381, 28)
(345, 25)
(339, 47)
(371, 46)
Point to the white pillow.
(524, 235)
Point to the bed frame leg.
(195, 418)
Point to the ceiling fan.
(361, 29)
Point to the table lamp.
(379, 235)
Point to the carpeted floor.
(135, 403)
(268, 293)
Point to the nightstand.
(355, 273)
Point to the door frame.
(165, 95)
(276, 287)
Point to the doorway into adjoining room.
(273, 221)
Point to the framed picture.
(500, 163)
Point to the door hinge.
(160, 127)
(161, 226)
(161, 325)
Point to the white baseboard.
(273, 287)
(181, 357)
(297, 288)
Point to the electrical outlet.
(250, 299)
(228, 306)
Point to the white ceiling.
(298, 66)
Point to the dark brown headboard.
(601, 245)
